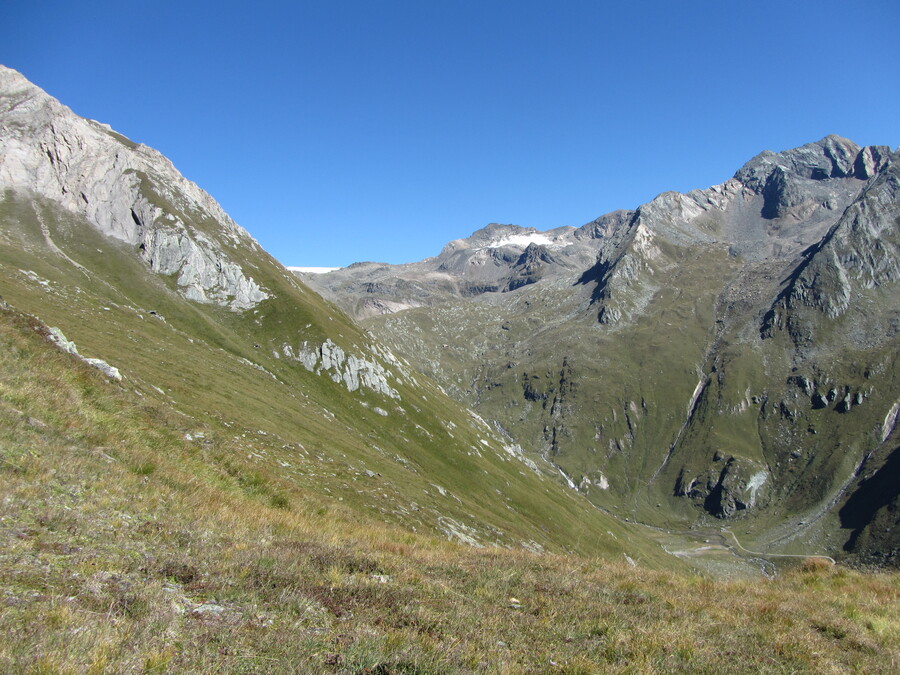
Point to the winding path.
(777, 555)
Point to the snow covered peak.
(523, 240)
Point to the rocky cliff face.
(729, 353)
(860, 253)
(775, 206)
(127, 191)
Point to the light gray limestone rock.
(126, 190)
(56, 336)
(351, 370)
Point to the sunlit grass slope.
(129, 548)
(418, 459)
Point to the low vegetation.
(277, 429)
(267, 489)
(129, 548)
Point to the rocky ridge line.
(127, 191)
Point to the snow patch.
(313, 270)
(523, 240)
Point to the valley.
(537, 452)
(723, 354)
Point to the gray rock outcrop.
(351, 370)
(861, 252)
(126, 190)
(724, 489)
(56, 336)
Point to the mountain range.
(536, 450)
(725, 354)
(137, 267)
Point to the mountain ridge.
(553, 337)
(106, 242)
(44, 147)
(786, 267)
(196, 478)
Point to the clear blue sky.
(338, 131)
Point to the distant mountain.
(118, 258)
(725, 354)
(497, 258)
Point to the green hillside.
(728, 360)
(131, 548)
(206, 467)
(416, 459)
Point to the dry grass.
(128, 549)
(816, 564)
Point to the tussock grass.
(127, 548)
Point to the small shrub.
(178, 572)
(158, 661)
(252, 482)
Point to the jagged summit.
(789, 180)
(775, 207)
(831, 157)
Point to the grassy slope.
(129, 548)
(632, 384)
(427, 465)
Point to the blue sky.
(341, 131)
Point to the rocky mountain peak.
(496, 235)
(126, 190)
(860, 253)
(605, 225)
(22, 98)
(831, 157)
